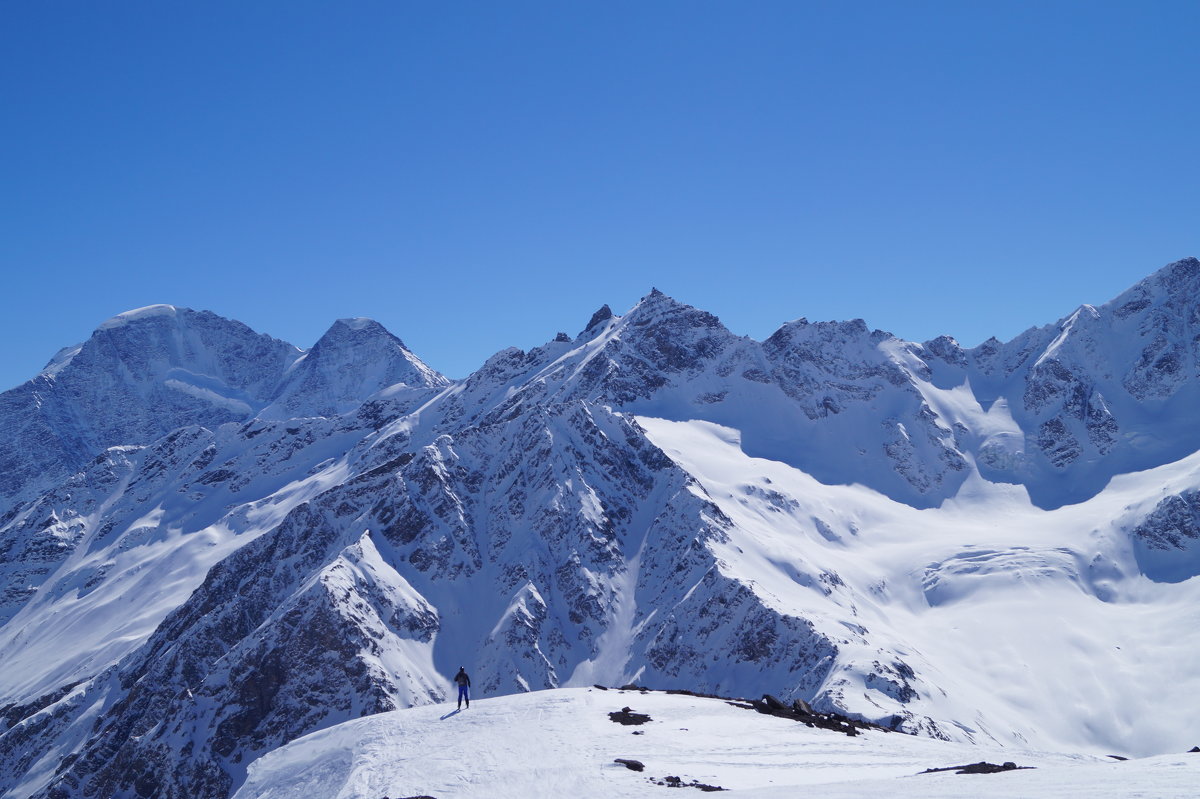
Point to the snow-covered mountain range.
(213, 542)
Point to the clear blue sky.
(483, 175)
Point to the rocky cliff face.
(272, 541)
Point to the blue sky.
(483, 175)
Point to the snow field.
(562, 743)
(1028, 627)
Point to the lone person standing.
(464, 687)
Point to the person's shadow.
(451, 713)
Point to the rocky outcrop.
(1167, 542)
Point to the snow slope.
(1035, 609)
(562, 743)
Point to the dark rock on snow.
(981, 767)
(627, 717)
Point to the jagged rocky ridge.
(325, 534)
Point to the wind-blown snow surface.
(562, 743)
(213, 542)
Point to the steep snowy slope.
(943, 540)
(986, 613)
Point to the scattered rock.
(981, 767)
(677, 782)
(632, 765)
(686, 692)
(802, 711)
(626, 716)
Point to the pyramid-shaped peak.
(354, 331)
(354, 359)
(358, 323)
(656, 302)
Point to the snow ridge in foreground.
(562, 743)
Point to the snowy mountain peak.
(354, 359)
(140, 375)
(347, 333)
(137, 315)
(659, 318)
(1175, 285)
(1180, 276)
(357, 322)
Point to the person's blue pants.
(464, 692)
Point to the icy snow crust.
(212, 542)
(561, 743)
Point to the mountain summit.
(353, 360)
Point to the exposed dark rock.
(686, 692)
(11, 714)
(982, 767)
(1168, 540)
(632, 765)
(677, 782)
(773, 704)
(1060, 446)
(801, 711)
(626, 716)
(1194, 750)
(603, 315)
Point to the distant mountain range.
(213, 542)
